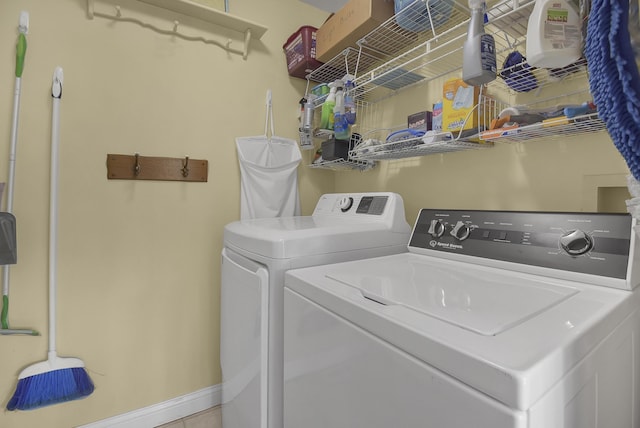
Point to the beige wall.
(138, 278)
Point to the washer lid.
(488, 304)
(289, 237)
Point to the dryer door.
(243, 341)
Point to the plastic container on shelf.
(554, 36)
(479, 50)
(300, 50)
(326, 119)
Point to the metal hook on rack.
(175, 26)
(185, 167)
(118, 11)
(136, 167)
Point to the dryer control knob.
(576, 242)
(345, 203)
(460, 231)
(436, 228)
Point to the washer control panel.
(592, 243)
(356, 203)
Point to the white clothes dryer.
(255, 257)
(491, 320)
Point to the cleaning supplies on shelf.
(349, 102)
(326, 118)
(57, 379)
(517, 73)
(340, 124)
(21, 50)
(306, 123)
(554, 34)
(479, 50)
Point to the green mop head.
(51, 382)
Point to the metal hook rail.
(247, 28)
(136, 167)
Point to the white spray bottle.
(479, 50)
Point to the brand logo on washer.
(446, 245)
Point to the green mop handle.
(5, 311)
(21, 50)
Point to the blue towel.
(613, 77)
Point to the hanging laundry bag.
(268, 173)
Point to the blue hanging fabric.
(613, 77)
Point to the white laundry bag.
(268, 173)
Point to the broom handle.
(56, 93)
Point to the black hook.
(185, 167)
(136, 167)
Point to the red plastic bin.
(300, 50)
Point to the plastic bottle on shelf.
(349, 102)
(479, 50)
(340, 124)
(554, 36)
(307, 113)
(326, 119)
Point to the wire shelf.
(435, 53)
(550, 129)
(414, 147)
(344, 165)
(349, 61)
(403, 51)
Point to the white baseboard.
(167, 411)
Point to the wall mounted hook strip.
(136, 167)
(185, 167)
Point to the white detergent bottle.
(554, 34)
(479, 50)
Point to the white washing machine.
(255, 257)
(491, 320)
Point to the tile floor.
(211, 418)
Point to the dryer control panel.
(590, 243)
(376, 204)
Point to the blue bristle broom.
(57, 379)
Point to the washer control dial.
(460, 231)
(345, 203)
(576, 242)
(436, 228)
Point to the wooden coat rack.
(136, 167)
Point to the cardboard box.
(458, 102)
(354, 20)
(420, 121)
(436, 117)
